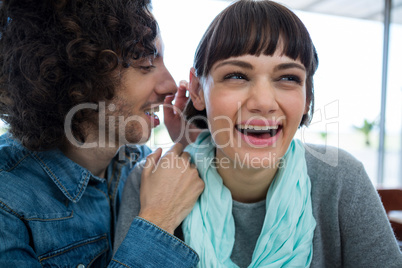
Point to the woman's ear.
(196, 92)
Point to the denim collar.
(70, 178)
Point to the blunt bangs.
(268, 26)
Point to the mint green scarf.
(288, 229)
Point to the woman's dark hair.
(55, 54)
(254, 27)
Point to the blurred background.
(358, 85)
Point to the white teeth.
(257, 127)
(152, 111)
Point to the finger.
(181, 100)
(183, 83)
(169, 99)
(168, 106)
(176, 149)
(185, 159)
(181, 91)
(152, 160)
(186, 156)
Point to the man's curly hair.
(55, 54)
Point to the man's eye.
(146, 68)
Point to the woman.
(267, 201)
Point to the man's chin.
(140, 140)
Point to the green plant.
(366, 129)
(324, 135)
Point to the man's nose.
(166, 84)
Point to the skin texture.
(262, 90)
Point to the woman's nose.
(262, 98)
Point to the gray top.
(248, 220)
(352, 228)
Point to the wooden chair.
(392, 200)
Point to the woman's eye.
(235, 76)
(291, 78)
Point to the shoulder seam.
(16, 164)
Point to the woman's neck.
(247, 185)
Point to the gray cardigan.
(352, 227)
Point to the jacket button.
(80, 266)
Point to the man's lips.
(150, 112)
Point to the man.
(79, 80)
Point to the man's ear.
(196, 92)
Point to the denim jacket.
(55, 213)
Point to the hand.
(179, 130)
(170, 186)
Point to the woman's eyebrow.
(289, 65)
(238, 63)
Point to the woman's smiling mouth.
(258, 134)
